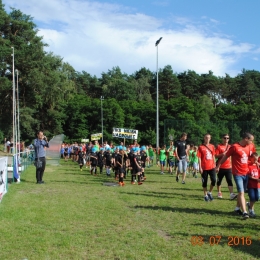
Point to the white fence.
(3, 177)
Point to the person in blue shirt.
(39, 147)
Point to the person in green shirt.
(171, 158)
(151, 155)
(96, 145)
(195, 161)
(162, 157)
(190, 149)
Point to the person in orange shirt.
(206, 155)
(240, 153)
(225, 168)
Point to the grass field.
(74, 216)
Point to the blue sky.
(200, 35)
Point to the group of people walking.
(119, 159)
(239, 160)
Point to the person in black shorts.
(108, 160)
(93, 161)
(80, 158)
(138, 165)
(100, 155)
(114, 162)
(225, 169)
(121, 165)
(144, 157)
(131, 157)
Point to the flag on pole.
(16, 168)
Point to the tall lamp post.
(14, 108)
(101, 99)
(18, 137)
(157, 97)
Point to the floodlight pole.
(101, 99)
(14, 108)
(18, 113)
(157, 97)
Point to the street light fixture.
(157, 98)
(101, 99)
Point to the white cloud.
(94, 37)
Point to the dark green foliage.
(57, 99)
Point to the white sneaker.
(233, 196)
(220, 195)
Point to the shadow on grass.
(235, 226)
(27, 181)
(186, 210)
(158, 181)
(170, 195)
(242, 243)
(184, 187)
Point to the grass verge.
(74, 216)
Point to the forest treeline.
(57, 99)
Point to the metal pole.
(157, 103)
(157, 98)
(102, 98)
(18, 114)
(14, 108)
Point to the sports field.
(74, 216)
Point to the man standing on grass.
(206, 155)
(225, 168)
(39, 147)
(181, 156)
(240, 153)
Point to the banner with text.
(84, 140)
(3, 177)
(125, 133)
(96, 136)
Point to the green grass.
(73, 216)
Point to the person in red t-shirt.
(253, 183)
(225, 168)
(239, 153)
(206, 155)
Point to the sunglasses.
(225, 137)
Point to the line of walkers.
(120, 160)
(239, 160)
